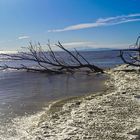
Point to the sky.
(75, 23)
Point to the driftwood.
(50, 61)
(133, 54)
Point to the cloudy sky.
(76, 23)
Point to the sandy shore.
(111, 115)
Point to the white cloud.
(76, 44)
(102, 22)
(23, 37)
(88, 45)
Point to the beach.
(113, 114)
(70, 70)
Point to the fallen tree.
(131, 56)
(50, 61)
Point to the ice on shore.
(114, 115)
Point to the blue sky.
(76, 23)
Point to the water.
(104, 59)
(23, 93)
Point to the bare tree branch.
(49, 61)
(134, 59)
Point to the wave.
(21, 128)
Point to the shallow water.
(23, 93)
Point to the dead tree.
(131, 56)
(50, 61)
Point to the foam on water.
(21, 128)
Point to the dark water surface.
(23, 92)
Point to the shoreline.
(21, 114)
(113, 115)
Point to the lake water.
(24, 93)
